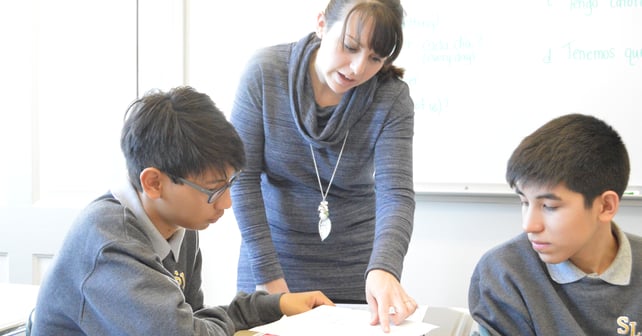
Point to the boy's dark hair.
(181, 132)
(579, 151)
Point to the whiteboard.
(485, 74)
(482, 74)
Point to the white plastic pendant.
(325, 225)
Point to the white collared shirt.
(618, 273)
(127, 195)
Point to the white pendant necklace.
(325, 225)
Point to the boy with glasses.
(131, 263)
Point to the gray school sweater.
(371, 199)
(512, 293)
(107, 279)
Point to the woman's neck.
(323, 94)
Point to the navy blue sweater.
(107, 279)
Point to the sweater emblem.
(180, 279)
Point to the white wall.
(65, 82)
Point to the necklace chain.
(316, 169)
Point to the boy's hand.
(295, 303)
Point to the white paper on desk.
(331, 321)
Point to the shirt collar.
(127, 195)
(618, 273)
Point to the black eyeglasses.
(212, 194)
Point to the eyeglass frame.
(212, 194)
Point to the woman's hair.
(387, 34)
(578, 151)
(181, 132)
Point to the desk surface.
(17, 302)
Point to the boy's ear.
(609, 203)
(320, 24)
(151, 181)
